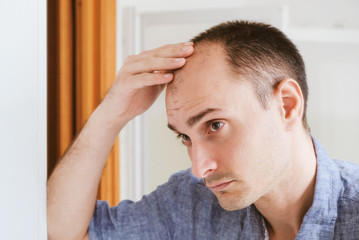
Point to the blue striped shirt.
(184, 208)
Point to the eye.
(184, 137)
(215, 126)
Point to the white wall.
(23, 119)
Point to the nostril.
(203, 160)
(204, 167)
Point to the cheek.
(189, 152)
(268, 150)
(248, 151)
(237, 149)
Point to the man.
(237, 99)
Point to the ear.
(291, 102)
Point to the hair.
(260, 53)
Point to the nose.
(203, 158)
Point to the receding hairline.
(204, 48)
(259, 53)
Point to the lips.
(218, 187)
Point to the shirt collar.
(323, 211)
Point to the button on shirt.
(184, 208)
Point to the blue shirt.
(184, 208)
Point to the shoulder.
(349, 179)
(184, 185)
(184, 177)
(155, 216)
(348, 201)
(347, 220)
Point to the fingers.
(156, 64)
(172, 50)
(165, 58)
(150, 79)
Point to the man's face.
(234, 144)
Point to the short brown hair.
(260, 53)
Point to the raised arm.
(72, 188)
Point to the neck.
(285, 206)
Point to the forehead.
(203, 74)
(207, 82)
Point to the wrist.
(107, 116)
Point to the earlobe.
(291, 100)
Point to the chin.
(232, 203)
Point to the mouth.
(218, 187)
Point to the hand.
(142, 78)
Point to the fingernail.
(188, 43)
(168, 75)
(186, 49)
(178, 59)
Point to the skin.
(245, 154)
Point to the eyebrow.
(196, 118)
(170, 126)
